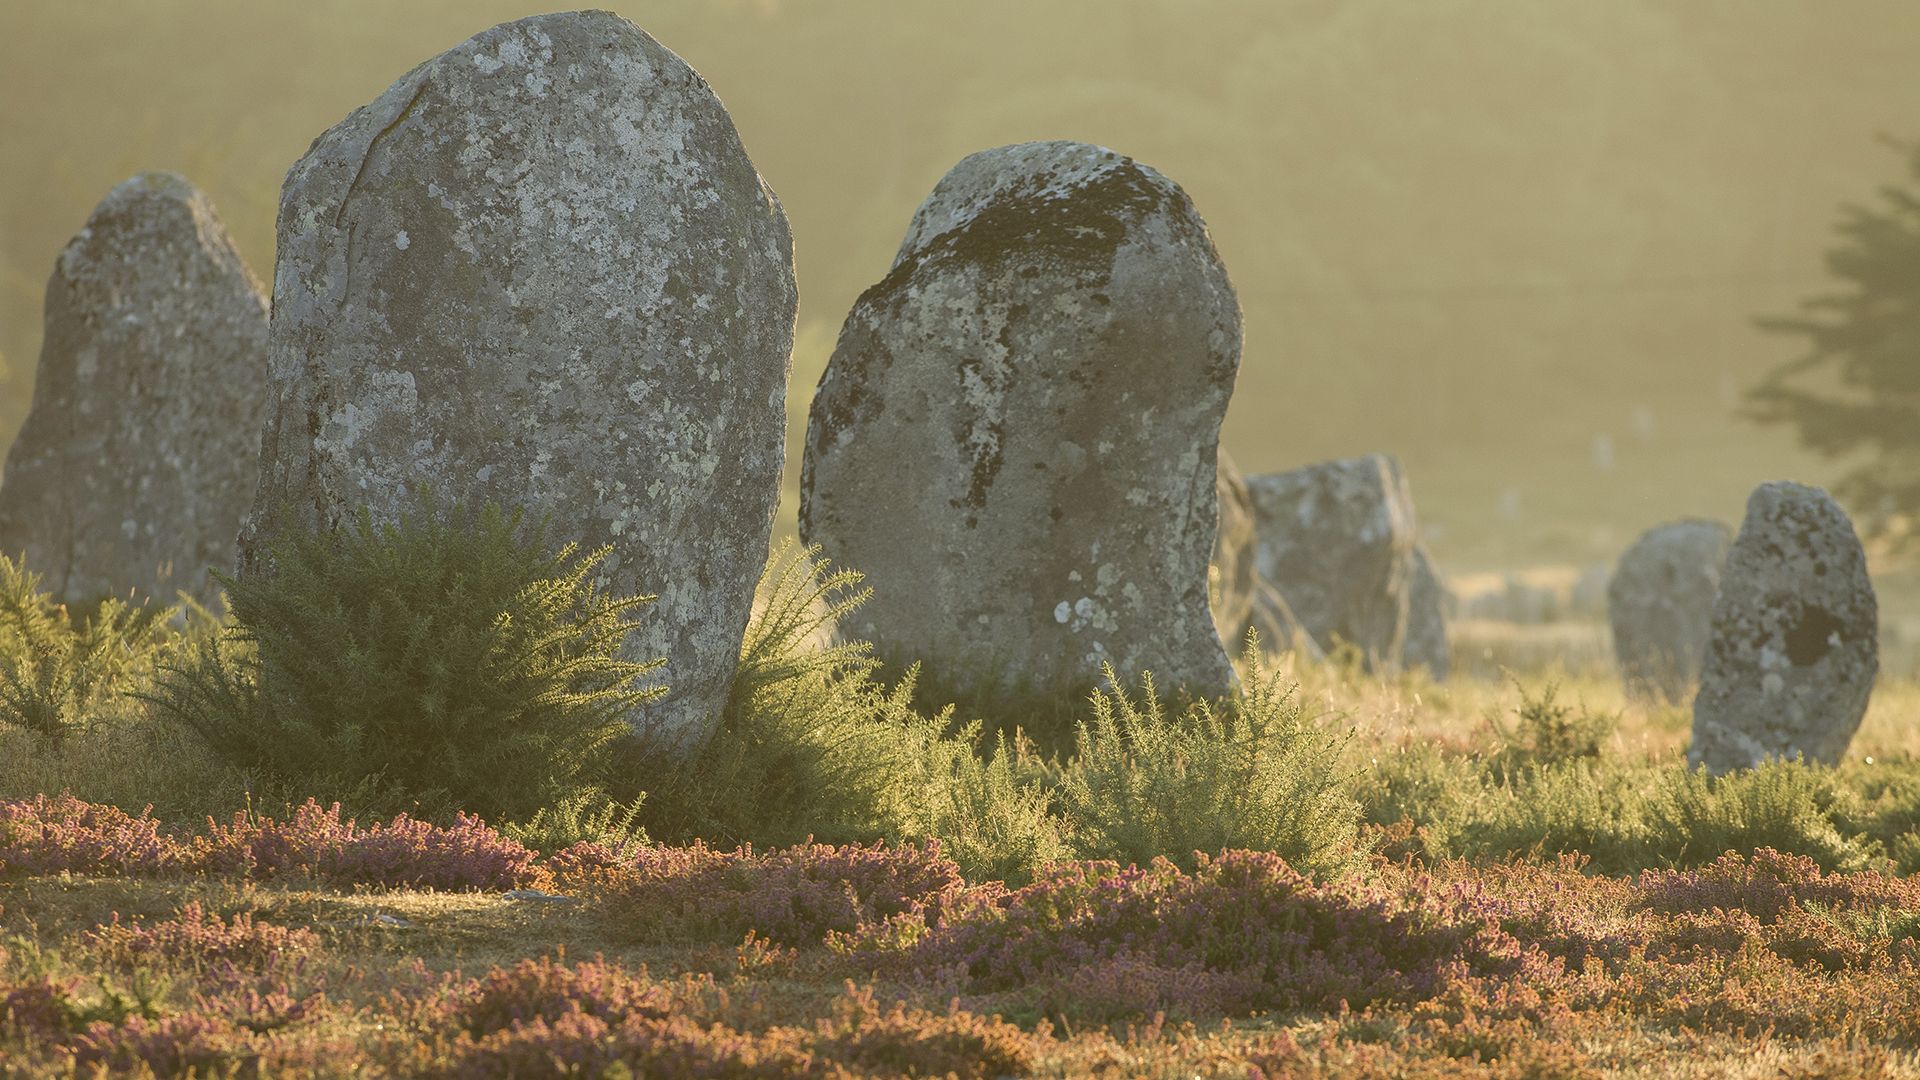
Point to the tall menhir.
(133, 471)
(1016, 438)
(541, 270)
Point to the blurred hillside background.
(1519, 244)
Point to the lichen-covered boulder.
(1660, 605)
(541, 270)
(1016, 439)
(1337, 540)
(1425, 644)
(136, 464)
(1795, 640)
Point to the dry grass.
(1493, 661)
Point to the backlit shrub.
(1257, 774)
(449, 658)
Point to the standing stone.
(1231, 577)
(1426, 640)
(1016, 439)
(1587, 599)
(1279, 628)
(1795, 643)
(1660, 604)
(136, 464)
(541, 270)
(1241, 598)
(1337, 540)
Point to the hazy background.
(1516, 242)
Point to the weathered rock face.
(541, 270)
(1426, 641)
(1279, 628)
(1241, 598)
(1795, 645)
(136, 464)
(1231, 577)
(1660, 603)
(1016, 438)
(1337, 540)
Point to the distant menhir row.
(541, 270)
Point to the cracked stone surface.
(1795, 644)
(540, 269)
(1016, 439)
(1337, 540)
(1660, 605)
(136, 464)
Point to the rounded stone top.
(1057, 173)
(143, 217)
(1698, 541)
(1061, 203)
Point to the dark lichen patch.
(1811, 636)
(980, 431)
(1076, 229)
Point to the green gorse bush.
(1256, 773)
(60, 670)
(448, 659)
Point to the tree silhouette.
(1855, 393)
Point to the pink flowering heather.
(899, 1041)
(1244, 931)
(205, 942)
(796, 895)
(1768, 882)
(262, 1009)
(169, 1046)
(579, 1044)
(543, 1018)
(404, 852)
(48, 834)
(42, 1008)
(543, 989)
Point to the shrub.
(545, 990)
(1243, 931)
(991, 818)
(42, 1008)
(1767, 882)
(169, 1046)
(1549, 732)
(318, 843)
(1586, 805)
(49, 834)
(204, 942)
(589, 816)
(810, 744)
(914, 1042)
(449, 658)
(794, 896)
(1256, 774)
(60, 669)
(1693, 818)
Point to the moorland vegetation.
(1297, 880)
